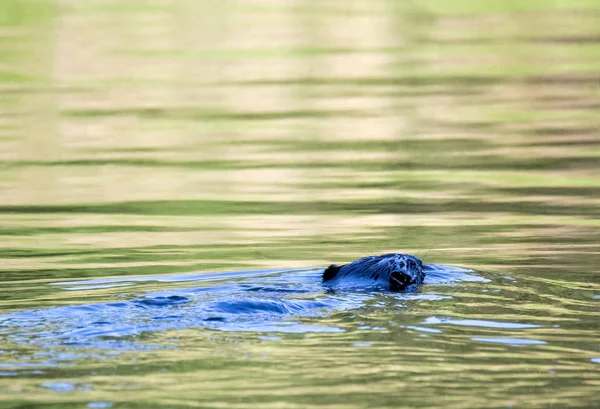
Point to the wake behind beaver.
(286, 300)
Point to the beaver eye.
(412, 265)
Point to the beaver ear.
(330, 272)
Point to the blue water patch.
(510, 341)
(268, 301)
(288, 327)
(441, 274)
(161, 301)
(42, 364)
(99, 405)
(478, 323)
(424, 329)
(66, 386)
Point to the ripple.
(477, 323)
(510, 341)
(283, 327)
(162, 301)
(28, 364)
(424, 329)
(66, 386)
(437, 274)
(99, 405)
(270, 338)
(176, 278)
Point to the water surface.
(173, 175)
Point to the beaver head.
(395, 272)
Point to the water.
(175, 175)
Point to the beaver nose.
(399, 281)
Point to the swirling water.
(174, 175)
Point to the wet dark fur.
(395, 272)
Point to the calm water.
(174, 176)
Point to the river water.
(174, 176)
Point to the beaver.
(393, 272)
